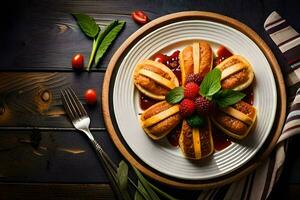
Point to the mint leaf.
(175, 95)
(87, 24)
(195, 121)
(226, 98)
(111, 33)
(211, 83)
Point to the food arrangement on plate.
(196, 98)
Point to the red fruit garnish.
(139, 17)
(187, 108)
(78, 62)
(203, 106)
(196, 78)
(90, 96)
(161, 58)
(191, 90)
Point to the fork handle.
(105, 161)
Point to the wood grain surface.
(52, 156)
(41, 36)
(55, 191)
(32, 100)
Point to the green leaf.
(140, 195)
(110, 35)
(195, 121)
(146, 185)
(122, 175)
(175, 95)
(98, 41)
(211, 83)
(226, 98)
(87, 24)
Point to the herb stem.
(94, 49)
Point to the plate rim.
(181, 16)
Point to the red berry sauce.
(146, 102)
(221, 141)
(173, 136)
(249, 98)
(222, 54)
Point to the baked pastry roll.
(237, 73)
(159, 119)
(154, 79)
(196, 143)
(236, 120)
(196, 58)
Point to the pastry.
(196, 58)
(196, 143)
(236, 120)
(158, 120)
(154, 79)
(237, 73)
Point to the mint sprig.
(98, 40)
(101, 40)
(211, 83)
(211, 89)
(225, 98)
(175, 95)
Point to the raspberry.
(203, 106)
(196, 78)
(186, 108)
(191, 91)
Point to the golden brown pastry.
(236, 120)
(154, 79)
(158, 120)
(237, 73)
(196, 143)
(196, 58)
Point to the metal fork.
(81, 121)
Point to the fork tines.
(72, 105)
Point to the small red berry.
(191, 91)
(90, 96)
(139, 17)
(78, 62)
(187, 108)
(203, 106)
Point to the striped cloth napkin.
(259, 184)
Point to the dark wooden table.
(41, 155)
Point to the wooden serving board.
(111, 125)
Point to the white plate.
(161, 156)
